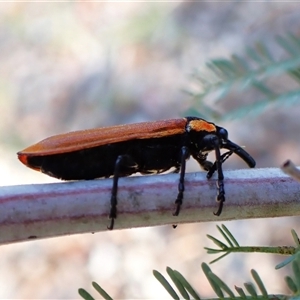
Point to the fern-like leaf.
(222, 76)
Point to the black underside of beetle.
(144, 155)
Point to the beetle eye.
(223, 133)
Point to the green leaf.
(187, 285)
(241, 292)
(165, 284)
(85, 295)
(99, 289)
(208, 273)
(229, 234)
(254, 109)
(222, 285)
(178, 284)
(254, 55)
(219, 258)
(213, 251)
(295, 74)
(295, 39)
(295, 237)
(264, 52)
(291, 284)
(263, 89)
(251, 289)
(217, 242)
(240, 63)
(296, 270)
(285, 262)
(287, 45)
(259, 283)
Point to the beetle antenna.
(239, 151)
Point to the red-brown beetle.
(149, 147)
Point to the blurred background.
(69, 66)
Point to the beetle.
(122, 150)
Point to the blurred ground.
(68, 66)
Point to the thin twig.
(47, 210)
(290, 169)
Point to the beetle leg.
(121, 162)
(213, 166)
(185, 154)
(220, 183)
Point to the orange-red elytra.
(149, 147)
